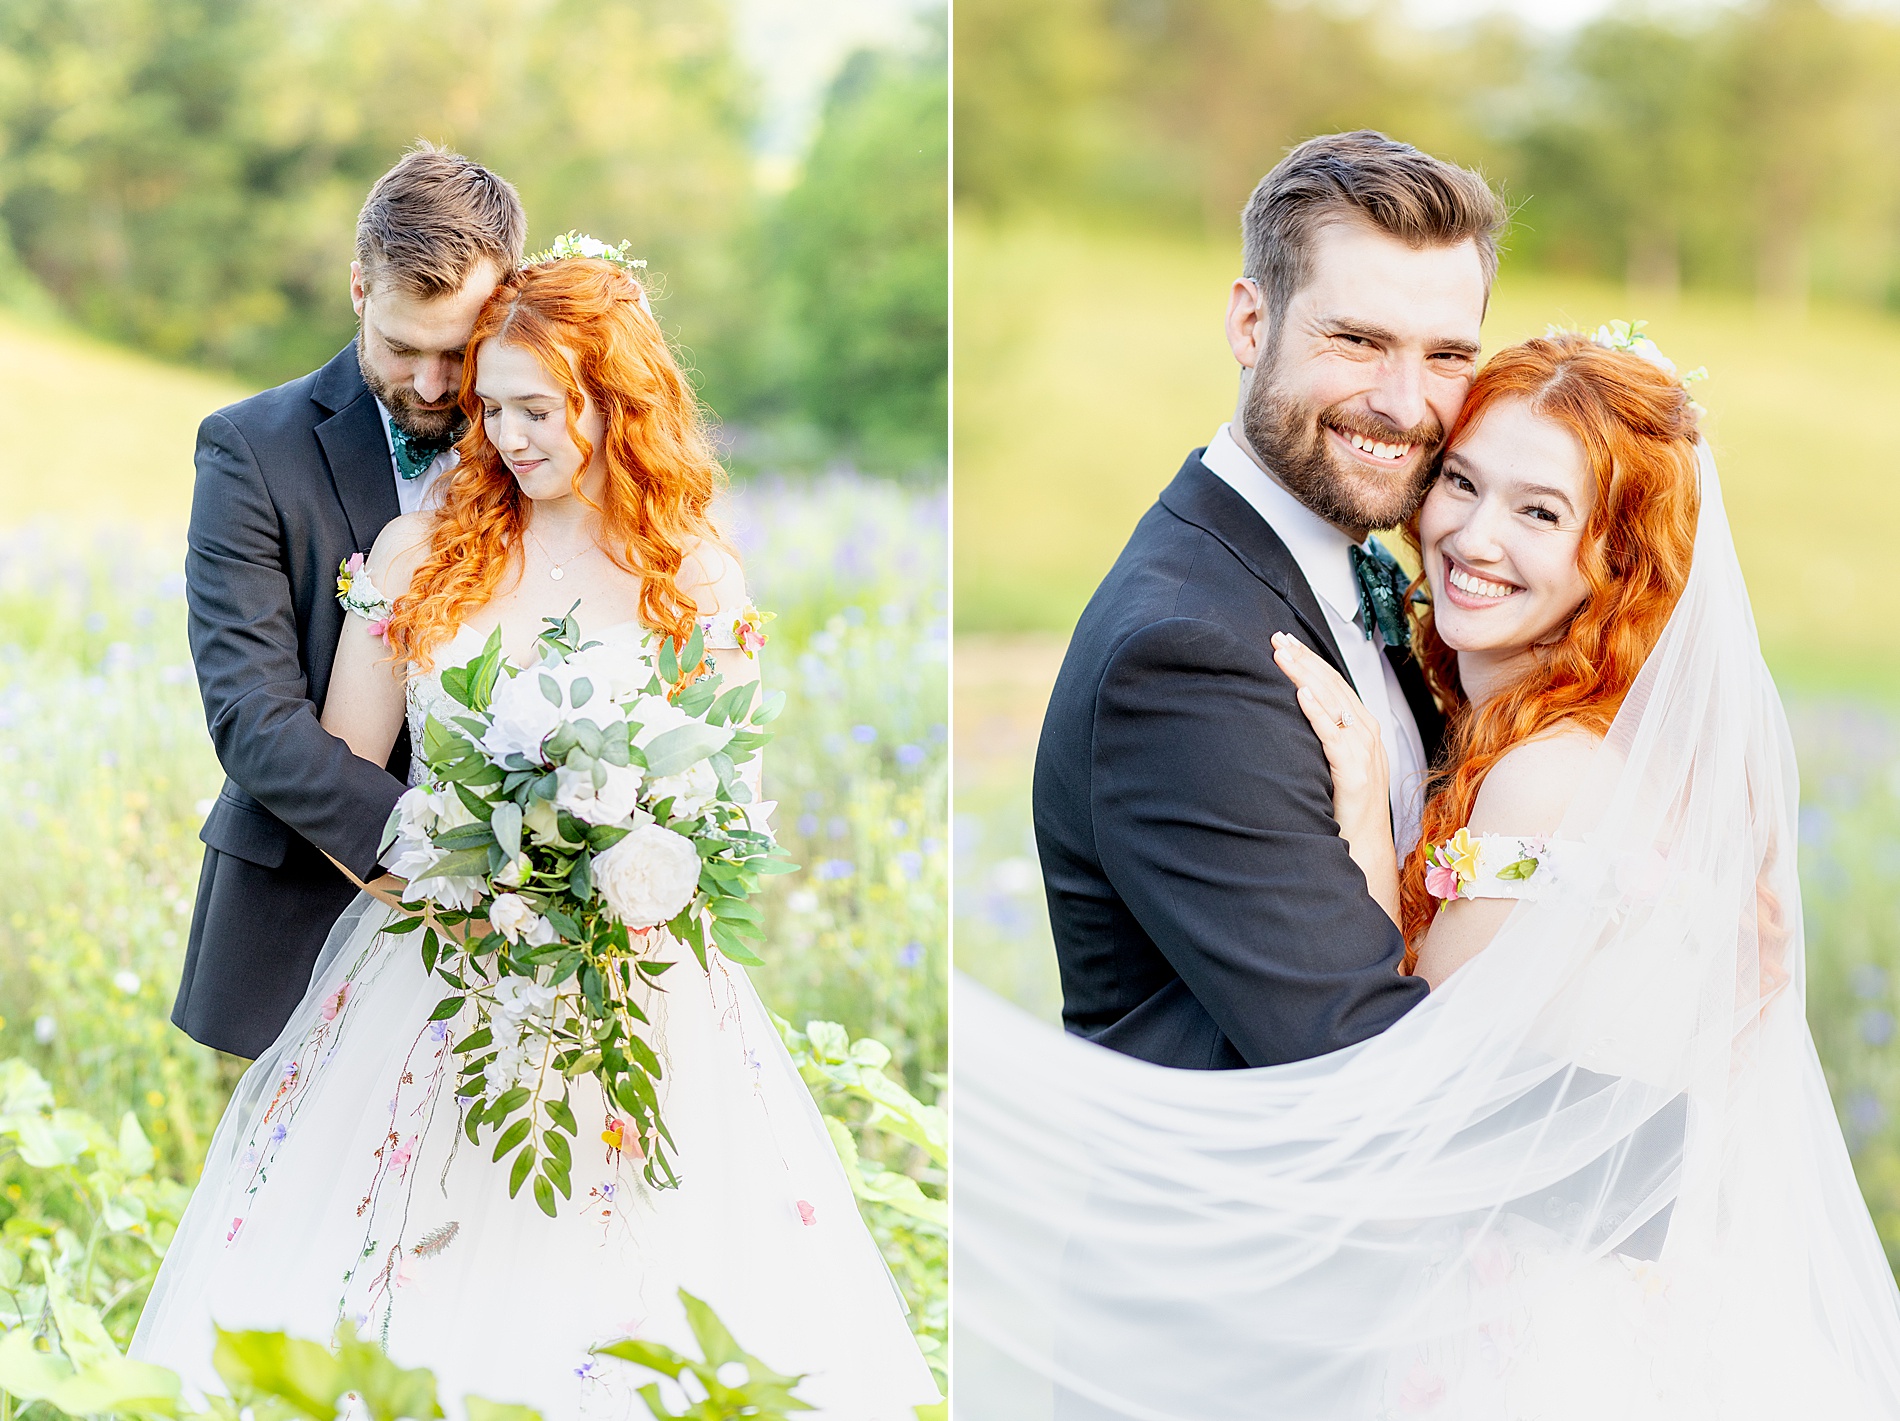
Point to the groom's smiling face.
(1349, 395)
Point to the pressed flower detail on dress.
(1485, 866)
(748, 630)
(358, 594)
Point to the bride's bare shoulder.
(399, 551)
(711, 576)
(1531, 786)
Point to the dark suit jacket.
(290, 483)
(1205, 910)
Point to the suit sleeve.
(1212, 809)
(244, 643)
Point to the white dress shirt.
(1322, 553)
(423, 491)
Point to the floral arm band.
(748, 630)
(356, 593)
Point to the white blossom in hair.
(579, 244)
(1628, 336)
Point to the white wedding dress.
(1595, 1175)
(340, 1186)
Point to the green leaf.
(519, 1174)
(463, 863)
(544, 1194)
(563, 1115)
(735, 949)
(431, 946)
(580, 879)
(668, 662)
(1522, 869)
(403, 925)
(505, 823)
(136, 1155)
(511, 1137)
(769, 708)
(479, 1409)
(268, 1365)
(107, 1384)
(510, 1101)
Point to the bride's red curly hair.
(583, 319)
(1637, 428)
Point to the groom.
(1205, 910)
(290, 483)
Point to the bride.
(339, 1187)
(1596, 1173)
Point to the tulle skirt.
(340, 1186)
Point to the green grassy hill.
(97, 434)
(1088, 366)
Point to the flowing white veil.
(1595, 1174)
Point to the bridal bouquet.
(581, 818)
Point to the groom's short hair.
(1368, 178)
(432, 217)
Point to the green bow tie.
(1382, 583)
(413, 455)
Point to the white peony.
(617, 672)
(655, 715)
(511, 916)
(691, 790)
(648, 876)
(612, 802)
(521, 717)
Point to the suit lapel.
(1200, 496)
(355, 448)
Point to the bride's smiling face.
(1501, 533)
(524, 415)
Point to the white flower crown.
(579, 244)
(1628, 336)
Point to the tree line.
(183, 176)
(1746, 146)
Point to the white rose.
(509, 914)
(608, 803)
(648, 876)
(521, 717)
(691, 790)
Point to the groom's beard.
(1289, 436)
(406, 410)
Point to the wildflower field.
(102, 740)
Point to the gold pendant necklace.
(555, 568)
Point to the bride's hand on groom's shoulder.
(1347, 732)
(1355, 753)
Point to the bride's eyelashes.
(1537, 511)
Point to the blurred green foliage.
(183, 176)
(1741, 146)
